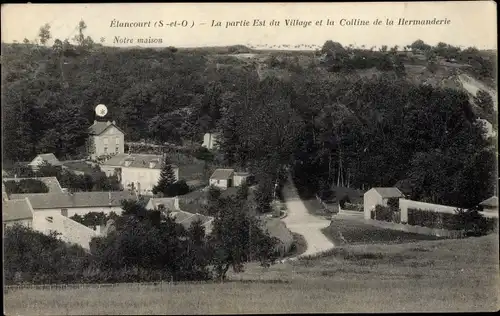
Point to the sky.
(471, 23)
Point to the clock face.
(101, 110)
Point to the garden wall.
(405, 204)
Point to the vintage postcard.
(213, 158)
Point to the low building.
(106, 138)
(51, 182)
(139, 172)
(187, 219)
(210, 140)
(222, 178)
(81, 203)
(489, 207)
(163, 203)
(44, 158)
(17, 212)
(379, 196)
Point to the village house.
(81, 203)
(379, 196)
(170, 207)
(138, 172)
(227, 178)
(16, 212)
(106, 138)
(44, 158)
(210, 140)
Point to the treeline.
(142, 245)
(25, 186)
(98, 181)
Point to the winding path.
(300, 221)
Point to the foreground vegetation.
(428, 276)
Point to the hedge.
(470, 221)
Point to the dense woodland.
(328, 125)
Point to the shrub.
(353, 207)
(25, 186)
(383, 213)
(470, 221)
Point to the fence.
(157, 285)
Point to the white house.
(106, 138)
(378, 196)
(47, 158)
(81, 203)
(222, 178)
(140, 172)
(17, 212)
(210, 140)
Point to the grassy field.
(355, 231)
(442, 275)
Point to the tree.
(167, 178)
(484, 100)
(242, 192)
(237, 238)
(44, 34)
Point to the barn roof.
(389, 192)
(76, 199)
(222, 174)
(13, 210)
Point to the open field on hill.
(443, 275)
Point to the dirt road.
(301, 222)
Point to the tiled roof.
(51, 182)
(491, 202)
(13, 210)
(389, 192)
(77, 199)
(49, 158)
(136, 161)
(222, 174)
(169, 203)
(99, 127)
(186, 219)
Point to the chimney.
(114, 122)
(109, 195)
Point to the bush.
(25, 186)
(353, 207)
(383, 213)
(469, 221)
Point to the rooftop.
(51, 182)
(222, 174)
(99, 127)
(490, 202)
(49, 158)
(13, 210)
(169, 203)
(136, 161)
(389, 192)
(77, 199)
(186, 219)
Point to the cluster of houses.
(137, 173)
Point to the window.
(218, 181)
(105, 149)
(105, 141)
(64, 212)
(117, 149)
(117, 141)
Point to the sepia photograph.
(250, 158)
